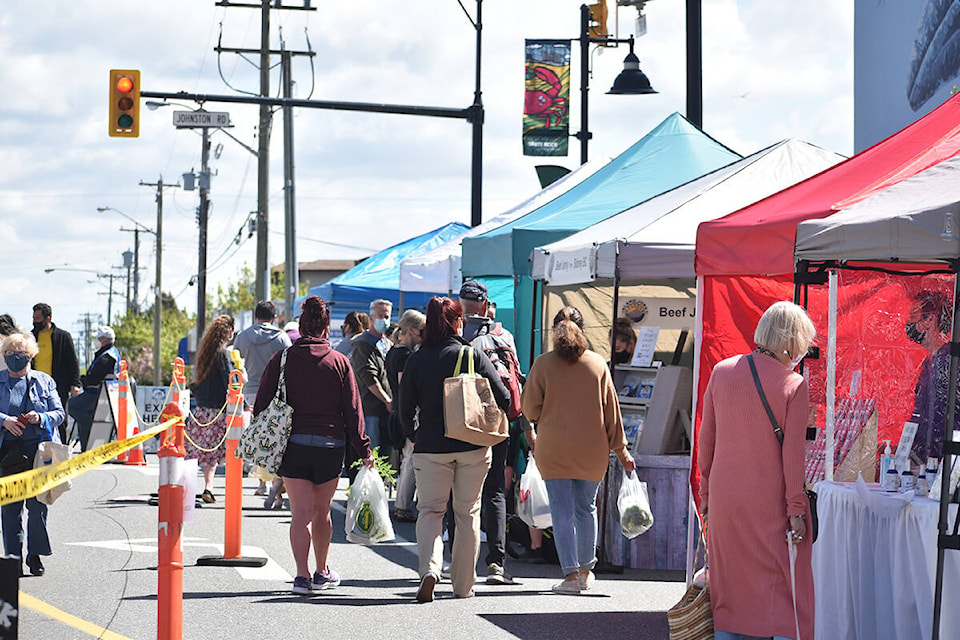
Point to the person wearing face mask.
(30, 412)
(105, 366)
(931, 318)
(370, 368)
(57, 356)
(751, 486)
(624, 340)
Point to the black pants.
(494, 504)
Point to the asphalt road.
(102, 581)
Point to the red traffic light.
(124, 103)
(124, 84)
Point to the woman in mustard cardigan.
(571, 397)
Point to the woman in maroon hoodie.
(326, 411)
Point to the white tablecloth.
(874, 574)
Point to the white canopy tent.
(655, 239)
(439, 269)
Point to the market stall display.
(874, 566)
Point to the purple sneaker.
(302, 586)
(326, 579)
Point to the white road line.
(270, 571)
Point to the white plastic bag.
(534, 505)
(634, 506)
(368, 514)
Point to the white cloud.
(771, 70)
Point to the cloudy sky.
(772, 70)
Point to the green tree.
(135, 339)
(238, 296)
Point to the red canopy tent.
(745, 260)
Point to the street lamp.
(99, 274)
(631, 81)
(158, 296)
(136, 253)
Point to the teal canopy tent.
(672, 154)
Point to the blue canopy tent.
(379, 275)
(672, 154)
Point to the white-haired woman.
(30, 410)
(752, 484)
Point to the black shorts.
(316, 464)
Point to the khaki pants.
(437, 474)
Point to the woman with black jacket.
(442, 464)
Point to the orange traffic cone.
(135, 455)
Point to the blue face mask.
(17, 362)
(380, 325)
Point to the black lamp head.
(631, 80)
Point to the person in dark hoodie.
(257, 344)
(321, 388)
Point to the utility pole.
(158, 295)
(262, 279)
(127, 264)
(136, 267)
(289, 203)
(262, 286)
(86, 322)
(203, 219)
(111, 276)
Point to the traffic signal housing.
(598, 20)
(124, 103)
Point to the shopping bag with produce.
(368, 514)
(634, 506)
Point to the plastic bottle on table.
(891, 480)
(908, 481)
(886, 461)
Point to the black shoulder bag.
(14, 460)
(811, 495)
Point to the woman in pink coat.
(751, 492)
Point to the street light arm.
(141, 226)
(234, 138)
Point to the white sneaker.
(585, 580)
(567, 587)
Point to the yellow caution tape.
(32, 483)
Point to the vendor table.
(874, 566)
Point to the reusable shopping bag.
(634, 506)
(470, 412)
(692, 617)
(264, 442)
(48, 454)
(368, 514)
(534, 505)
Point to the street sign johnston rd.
(201, 119)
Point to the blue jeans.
(11, 517)
(573, 507)
(371, 425)
(81, 408)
